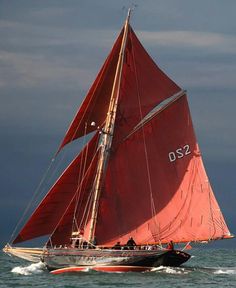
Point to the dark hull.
(64, 258)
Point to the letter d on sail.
(172, 156)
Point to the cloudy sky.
(51, 51)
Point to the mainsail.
(156, 188)
(152, 183)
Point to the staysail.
(78, 213)
(47, 215)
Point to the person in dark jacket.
(130, 244)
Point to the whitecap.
(225, 271)
(160, 268)
(170, 270)
(34, 268)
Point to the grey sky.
(51, 51)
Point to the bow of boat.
(29, 254)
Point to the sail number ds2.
(179, 153)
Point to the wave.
(39, 267)
(171, 270)
(187, 270)
(229, 271)
(34, 268)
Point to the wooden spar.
(29, 254)
(108, 131)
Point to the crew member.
(130, 244)
(170, 245)
(117, 246)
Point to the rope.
(78, 207)
(88, 207)
(211, 210)
(81, 174)
(73, 198)
(32, 199)
(153, 208)
(40, 189)
(55, 170)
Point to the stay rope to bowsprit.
(38, 190)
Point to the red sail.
(94, 107)
(156, 188)
(143, 86)
(46, 217)
(77, 211)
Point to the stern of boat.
(172, 258)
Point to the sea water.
(207, 268)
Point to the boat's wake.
(34, 268)
(229, 271)
(39, 267)
(188, 270)
(171, 270)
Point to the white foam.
(170, 270)
(34, 268)
(176, 270)
(160, 268)
(225, 271)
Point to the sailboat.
(138, 183)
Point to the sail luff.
(108, 129)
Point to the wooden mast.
(108, 131)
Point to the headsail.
(47, 215)
(77, 215)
